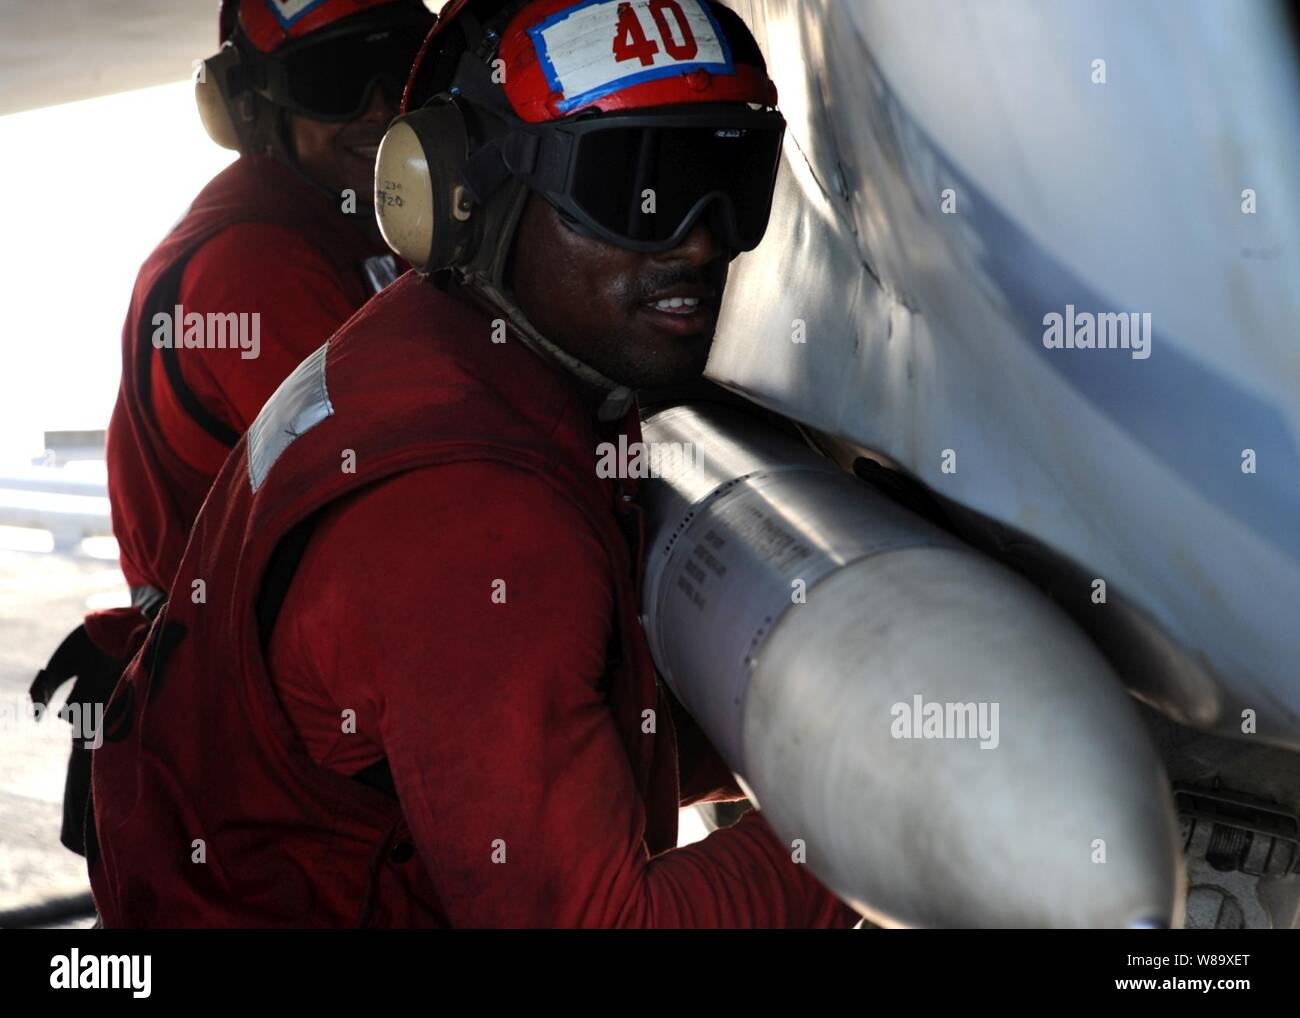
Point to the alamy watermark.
(77, 971)
(1083, 330)
(179, 329)
(646, 459)
(86, 719)
(921, 720)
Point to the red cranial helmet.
(563, 56)
(559, 59)
(270, 24)
(633, 118)
(320, 59)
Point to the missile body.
(943, 744)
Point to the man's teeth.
(677, 303)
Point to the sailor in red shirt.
(400, 678)
(273, 255)
(304, 90)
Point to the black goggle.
(332, 76)
(642, 181)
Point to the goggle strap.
(539, 158)
(474, 81)
(472, 31)
(519, 150)
(485, 172)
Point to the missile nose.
(947, 747)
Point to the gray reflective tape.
(301, 402)
(380, 270)
(148, 600)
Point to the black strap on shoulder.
(162, 300)
(275, 587)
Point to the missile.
(943, 746)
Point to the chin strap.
(618, 397)
(502, 198)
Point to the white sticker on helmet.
(289, 11)
(600, 46)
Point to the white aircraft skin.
(924, 330)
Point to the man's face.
(613, 308)
(342, 155)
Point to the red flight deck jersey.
(258, 239)
(263, 256)
(410, 564)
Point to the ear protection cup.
(425, 210)
(216, 93)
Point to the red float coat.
(411, 551)
(257, 239)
